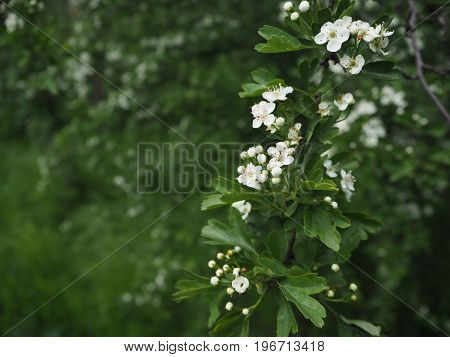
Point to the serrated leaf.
(234, 233)
(190, 288)
(279, 41)
(212, 201)
(286, 322)
(231, 325)
(297, 290)
(271, 267)
(319, 223)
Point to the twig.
(420, 65)
(290, 256)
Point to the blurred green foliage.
(68, 164)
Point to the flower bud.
(240, 169)
(353, 287)
(244, 155)
(304, 6)
(214, 281)
(276, 171)
(353, 297)
(334, 204)
(261, 158)
(230, 291)
(237, 249)
(236, 271)
(220, 256)
(259, 149)
(219, 272)
(229, 306)
(280, 121)
(295, 16)
(226, 268)
(276, 180)
(245, 311)
(335, 268)
(288, 6)
(328, 199)
(262, 178)
(212, 264)
(251, 152)
(330, 293)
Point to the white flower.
(240, 284)
(295, 16)
(288, 6)
(262, 112)
(240, 169)
(294, 134)
(276, 172)
(220, 256)
(244, 155)
(335, 67)
(335, 268)
(229, 306)
(343, 101)
(261, 158)
(331, 169)
(230, 291)
(353, 64)
(276, 180)
(281, 155)
(324, 109)
(245, 311)
(219, 272)
(277, 93)
(243, 207)
(330, 293)
(304, 6)
(237, 249)
(236, 272)
(279, 122)
(334, 33)
(347, 183)
(334, 204)
(212, 264)
(328, 199)
(250, 176)
(363, 31)
(353, 287)
(13, 22)
(263, 177)
(214, 281)
(226, 268)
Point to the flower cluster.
(260, 164)
(230, 272)
(347, 180)
(335, 34)
(341, 102)
(302, 8)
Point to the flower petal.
(320, 38)
(256, 123)
(334, 45)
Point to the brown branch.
(290, 256)
(420, 65)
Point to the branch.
(290, 256)
(420, 65)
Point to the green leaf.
(231, 325)
(262, 76)
(279, 41)
(271, 267)
(364, 325)
(214, 309)
(276, 242)
(212, 201)
(320, 223)
(234, 233)
(190, 288)
(382, 70)
(286, 322)
(291, 209)
(324, 185)
(297, 290)
(344, 7)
